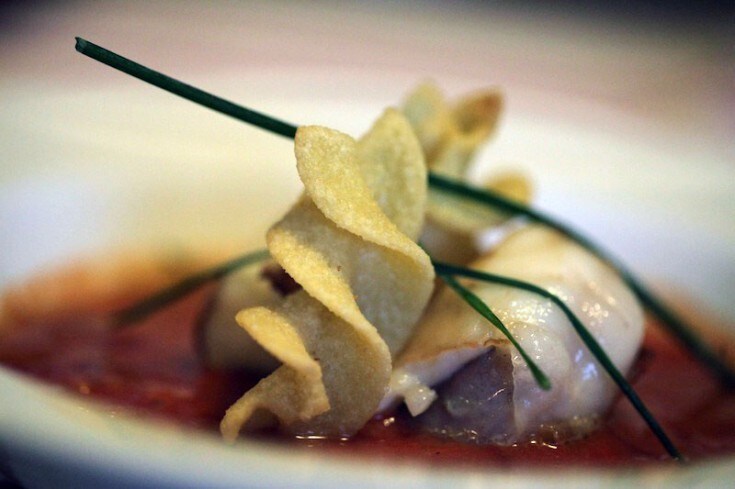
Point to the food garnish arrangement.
(374, 324)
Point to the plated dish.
(389, 349)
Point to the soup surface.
(153, 369)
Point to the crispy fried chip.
(349, 242)
(450, 137)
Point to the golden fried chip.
(450, 137)
(349, 243)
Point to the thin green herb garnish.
(675, 325)
(479, 305)
(444, 269)
(149, 305)
(183, 89)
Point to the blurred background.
(670, 61)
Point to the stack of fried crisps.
(350, 243)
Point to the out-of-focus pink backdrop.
(676, 70)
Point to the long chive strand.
(587, 338)
(149, 305)
(183, 89)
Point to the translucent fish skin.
(581, 390)
(476, 403)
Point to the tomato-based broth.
(153, 369)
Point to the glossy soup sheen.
(152, 368)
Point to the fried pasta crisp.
(350, 243)
(451, 135)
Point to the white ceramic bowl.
(116, 167)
